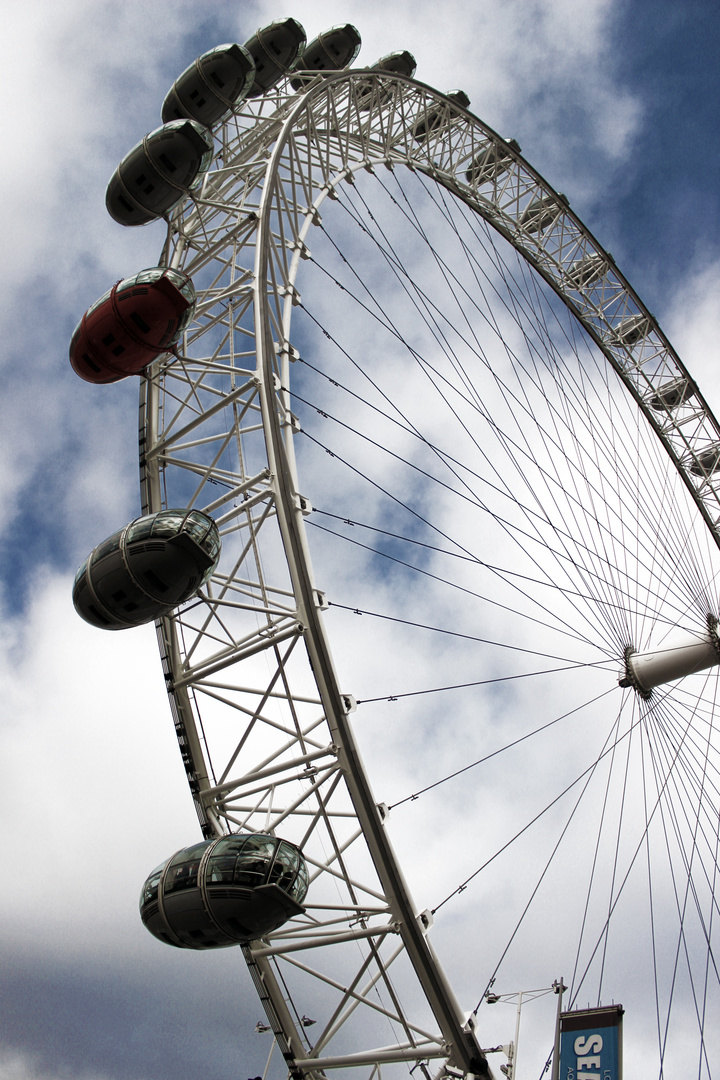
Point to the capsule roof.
(332, 50)
(209, 88)
(132, 324)
(274, 50)
(159, 172)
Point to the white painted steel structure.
(217, 431)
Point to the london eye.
(419, 470)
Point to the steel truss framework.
(251, 652)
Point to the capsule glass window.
(183, 870)
(139, 530)
(170, 156)
(183, 283)
(168, 523)
(285, 867)
(204, 532)
(108, 547)
(301, 883)
(151, 886)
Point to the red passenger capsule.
(131, 325)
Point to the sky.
(615, 103)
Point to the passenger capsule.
(146, 569)
(672, 394)
(396, 63)
(632, 329)
(491, 162)
(331, 51)
(159, 172)
(224, 892)
(274, 50)
(136, 321)
(708, 462)
(586, 271)
(211, 86)
(542, 212)
(433, 118)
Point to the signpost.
(591, 1044)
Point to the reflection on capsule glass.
(132, 324)
(157, 173)
(274, 50)
(331, 51)
(146, 569)
(208, 89)
(224, 892)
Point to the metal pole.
(517, 1036)
(559, 988)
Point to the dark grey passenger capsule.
(333, 50)
(586, 271)
(208, 89)
(542, 212)
(435, 117)
(632, 330)
(159, 172)
(707, 462)
(670, 395)
(274, 50)
(492, 161)
(396, 63)
(224, 892)
(146, 569)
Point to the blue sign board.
(591, 1044)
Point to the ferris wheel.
(385, 340)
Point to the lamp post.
(491, 998)
(559, 988)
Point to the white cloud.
(94, 777)
(693, 325)
(19, 1066)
